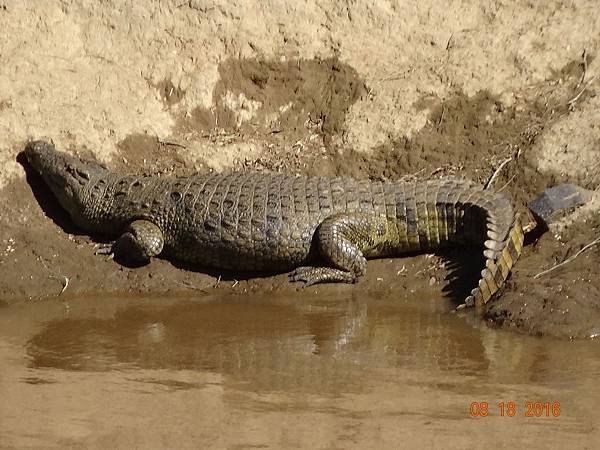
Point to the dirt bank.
(379, 92)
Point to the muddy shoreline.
(316, 111)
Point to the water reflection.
(274, 343)
(367, 372)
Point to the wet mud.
(319, 91)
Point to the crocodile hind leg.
(342, 240)
(140, 241)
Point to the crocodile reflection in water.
(274, 343)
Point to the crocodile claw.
(105, 249)
(305, 275)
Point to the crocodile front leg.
(342, 240)
(140, 241)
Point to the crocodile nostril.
(83, 174)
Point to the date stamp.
(512, 409)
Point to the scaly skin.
(266, 221)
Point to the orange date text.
(512, 409)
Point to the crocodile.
(321, 229)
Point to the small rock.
(559, 199)
(594, 333)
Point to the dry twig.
(497, 172)
(63, 280)
(449, 41)
(584, 63)
(441, 117)
(571, 103)
(173, 144)
(65, 285)
(568, 260)
(507, 183)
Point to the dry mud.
(381, 91)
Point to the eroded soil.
(312, 112)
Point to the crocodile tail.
(500, 258)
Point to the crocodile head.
(66, 175)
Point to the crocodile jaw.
(66, 175)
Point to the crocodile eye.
(80, 175)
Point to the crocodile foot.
(105, 249)
(313, 275)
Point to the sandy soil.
(384, 90)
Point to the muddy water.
(284, 372)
